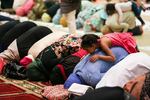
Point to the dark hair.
(110, 9)
(88, 40)
(145, 93)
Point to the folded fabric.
(55, 92)
(73, 78)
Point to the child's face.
(90, 49)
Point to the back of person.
(91, 72)
(125, 40)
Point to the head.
(110, 9)
(90, 42)
(139, 87)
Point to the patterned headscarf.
(145, 93)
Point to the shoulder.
(105, 40)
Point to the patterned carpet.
(20, 89)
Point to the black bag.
(14, 70)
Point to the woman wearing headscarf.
(14, 33)
(20, 46)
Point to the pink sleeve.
(28, 6)
(20, 11)
(23, 10)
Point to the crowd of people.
(111, 63)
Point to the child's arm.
(119, 11)
(124, 26)
(105, 44)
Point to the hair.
(110, 9)
(88, 40)
(145, 93)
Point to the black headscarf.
(107, 93)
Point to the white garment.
(123, 7)
(44, 42)
(130, 67)
(18, 3)
(70, 17)
(11, 53)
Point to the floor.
(144, 40)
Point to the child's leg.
(122, 27)
(137, 11)
(71, 21)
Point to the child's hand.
(94, 58)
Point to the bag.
(15, 71)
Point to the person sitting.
(13, 32)
(128, 23)
(20, 46)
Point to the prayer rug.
(21, 89)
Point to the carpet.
(21, 89)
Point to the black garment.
(106, 93)
(15, 32)
(4, 18)
(26, 40)
(136, 31)
(48, 58)
(49, 3)
(69, 63)
(6, 4)
(53, 9)
(6, 27)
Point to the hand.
(94, 58)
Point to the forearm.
(124, 26)
(107, 58)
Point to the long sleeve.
(123, 7)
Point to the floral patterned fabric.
(55, 92)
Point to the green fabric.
(56, 76)
(37, 10)
(36, 71)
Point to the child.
(121, 19)
(129, 6)
(112, 21)
(91, 42)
